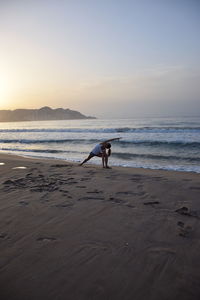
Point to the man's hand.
(114, 139)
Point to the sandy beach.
(71, 232)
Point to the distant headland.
(42, 114)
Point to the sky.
(105, 58)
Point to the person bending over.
(100, 151)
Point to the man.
(100, 151)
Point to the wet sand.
(71, 232)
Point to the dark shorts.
(92, 154)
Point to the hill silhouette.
(42, 114)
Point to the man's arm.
(111, 140)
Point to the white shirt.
(97, 149)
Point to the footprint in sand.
(181, 224)
(158, 178)
(91, 198)
(140, 186)
(8, 182)
(186, 212)
(64, 205)
(59, 166)
(116, 200)
(136, 178)
(125, 249)
(182, 211)
(91, 172)
(43, 188)
(14, 184)
(81, 186)
(29, 174)
(194, 188)
(64, 191)
(125, 193)
(3, 235)
(85, 179)
(184, 231)
(23, 203)
(44, 197)
(151, 202)
(46, 239)
(33, 169)
(130, 205)
(92, 247)
(95, 192)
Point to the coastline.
(91, 233)
(150, 144)
(91, 164)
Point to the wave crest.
(92, 141)
(145, 129)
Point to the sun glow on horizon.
(100, 58)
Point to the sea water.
(155, 143)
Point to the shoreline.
(91, 164)
(75, 232)
(148, 144)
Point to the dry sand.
(69, 232)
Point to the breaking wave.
(92, 141)
(105, 130)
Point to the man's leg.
(88, 158)
(105, 160)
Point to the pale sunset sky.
(106, 58)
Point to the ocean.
(155, 143)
